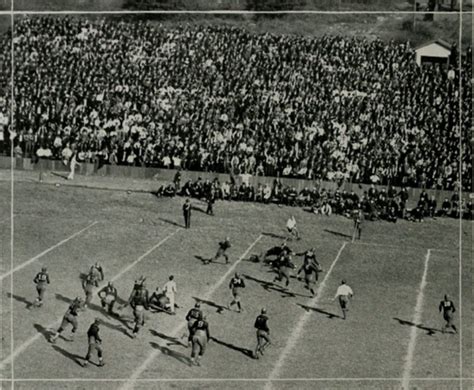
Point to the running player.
(311, 269)
(108, 297)
(344, 293)
(200, 338)
(446, 306)
(236, 283)
(195, 314)
(70, 317)
(283, 265)
(221, 251)
(263, 333)
(41, 280)
(139, 303)
(358, 217)
(95, 343)
(292, 229)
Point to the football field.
(391, 339)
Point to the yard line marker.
(29, 342)
(134, 377)
(416, 320)
(298, 330)
(33, 259)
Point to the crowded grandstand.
(218, 98)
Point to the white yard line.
(37, 336)
(298, 329)
(33, 259)
(133, 378)
(414, 331)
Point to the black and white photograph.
(236, 194)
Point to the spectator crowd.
(388, 204)
(222, 99)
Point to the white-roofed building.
(437, 51)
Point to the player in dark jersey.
(139, 301)
(70, 317)
(41, 280)
(236, 284)
(271, 254)
(108, 297)
(446, 306)
(275, 252)
(97, 271)
(221, 251)
(310, 268)
(195, 314)
(159, 301)
(200, 338)
(358, 217)
(95, 343)
(283, 266)
(263, 333)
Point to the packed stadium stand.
(222, 99)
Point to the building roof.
(439, 42)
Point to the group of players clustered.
(163, 299)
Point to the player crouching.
(108, 297)
(70, 317)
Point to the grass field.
(391, 338)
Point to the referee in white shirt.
(170, 290)
(344, 293)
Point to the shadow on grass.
(208, 260)
(245, 351)
(169, 221)
(274, 235)
(90, 306)
(219, 308)
(429, 331)
(83, 276)
(117, 328)
(180, 357)
(61, 175)
(172, 340)
(203, 259)
(338, 234)
(270, 286)
(75, 358)
(28, 304)
(46, 333)
(317, 310)
(195, 208)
